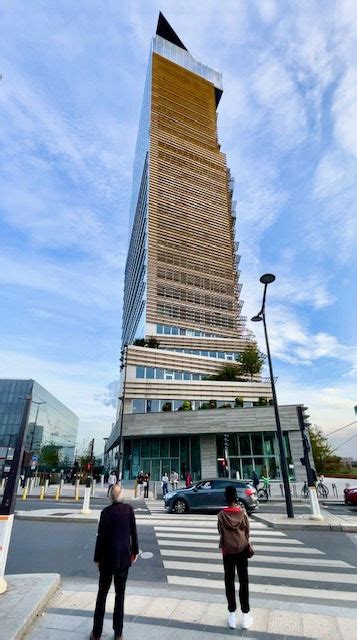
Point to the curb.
(76, 519)
(24, 625)
(304, 526)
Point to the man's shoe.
(232, 619)
(118, 637)
(246, 621)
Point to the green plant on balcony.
(263, 402)
(186, 406)
(238, 402)
(152, 342)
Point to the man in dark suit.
(116, 549)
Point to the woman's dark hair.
(230, 494)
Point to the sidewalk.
(331, 522)
(153, 612)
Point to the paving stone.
(321, 628)
(285, 623)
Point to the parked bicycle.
(305, 491)
(322, 490)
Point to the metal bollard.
(19, 486)
(57, 493)
(102, 481)
(76, 493)
(94, 482)
(86, 500)
(61, 487)
(42, 493)
(25, 492)
(282, 489)
(46, 486)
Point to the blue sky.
(70, 95)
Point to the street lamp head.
(267, 278)
(257, 318)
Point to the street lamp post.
(123, 365)
(260, 317)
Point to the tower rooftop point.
(165, 30)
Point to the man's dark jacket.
(117, 538)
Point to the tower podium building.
(182, 313)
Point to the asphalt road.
(68, 548)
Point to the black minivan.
(208, 495)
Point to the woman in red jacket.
(233, 526)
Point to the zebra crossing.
(282, 567)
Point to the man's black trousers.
(231, 562)
(105, 580)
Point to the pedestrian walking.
(174, 479)
(140, 487)
(256, 480)
(233, 527)
(115, 551)
(146, 485)
(165, 484)
(112, 480)
(188, 479)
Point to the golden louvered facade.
(191, 277)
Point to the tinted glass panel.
(257, 443)
(244, 442)
(139, 405)
(140, 372)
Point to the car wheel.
(180, 506)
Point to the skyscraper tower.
(182, 310)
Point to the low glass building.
(50, 423)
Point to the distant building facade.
(182, 289)
(50, 422)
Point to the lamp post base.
(314, 505)
(3, 585)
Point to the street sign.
(34, 458)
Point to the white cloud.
(345, 112)
(268, 10)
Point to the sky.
(70, 95)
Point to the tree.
(238, 402)
(251, 361)
(324, 457)
(186, 405)
(49, 458)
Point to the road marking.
(187, 524)
(268, 589)
(268, 572)
(194, 530)
(210, 555)
(258, 547)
